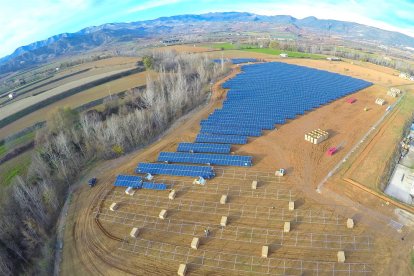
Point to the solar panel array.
(154, 186)
(205, 158)
(175, 169)
(242, 60)
(204, 147)
(219, 138)
(128, 181)
(261, 96)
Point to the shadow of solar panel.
(204, 147)
(174, 169)
(128, 181)
(205, 158)
(220, 138)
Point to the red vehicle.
(351, 100)
(331, 151)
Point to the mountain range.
(107, 34)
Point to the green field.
(229, 46)
(14, 167)
(278, 52)
(268, 51)
(18, 142)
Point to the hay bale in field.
(163, 214)
(350, 223)
(182, 270)
(223, 199)
(291, 205)
(254, 185)
(265, 251)
(223, 221)
(341, 256)
(114, 206)
(195, 243)
(286, 227)
(172, 195)
(134, 232)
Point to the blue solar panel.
(205, 158)
(128, 181)
(219, 138)
(204, 147)
(154, 186)
(174, 169)
(242, 60)
(253, 131)
(236, 123)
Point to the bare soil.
(94, 235)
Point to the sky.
(24, 22)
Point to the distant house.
(404, 76)
(284, 55)
(334, 58)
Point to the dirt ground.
(97, 242)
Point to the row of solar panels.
(260, 97)
(137, 183)
(205, 158)
(175, 169)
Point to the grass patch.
(16, 166)
(293, 54)
(229, 46)
(412, 259)
(20, 141)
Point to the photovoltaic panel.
(204, 147)
(154, 186)
(242, 60)
(174, 169)
(237, 123)
(205, 158)
(128, 181)
(254, 131)
(220, 138)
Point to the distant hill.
(92, 37)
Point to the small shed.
(341, 256)
(182, 270)
(254, 184)
(130, 191)
(223, 199)
(172, 195)
(163, 214)
(265, 251)
(195, 243)
(291, 205)
(350, 223)
(134, 232)
(223, 221)
(113, 206)
(286, 227)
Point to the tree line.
(29, 208)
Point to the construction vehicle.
(199, 181)
(280, 172)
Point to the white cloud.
(152, 4)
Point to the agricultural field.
(97, 240)
(14, 167)
(97, 92)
